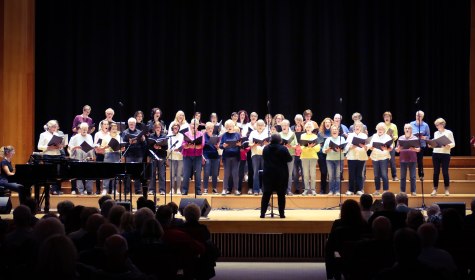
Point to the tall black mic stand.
(421, 174)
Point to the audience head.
(106, 207)
(22, 216)
(407, 246)
(45, 228)
(451, 220)
(102, 199)
(151, 230)
(433, 209)
(401, 198)
(428, 234)
(86, 213)
(351, 212)
(94, 222)
(382, 229)
(174, 207)
(57, 258)
(127, 222)
(389, 201)
(65, 207)
(164, 215)
(141, 216)
(115, 214)
(366, 201)
(414, 219)
(104, 231)
(115, 249)
(192, 213)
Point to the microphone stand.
(155, 160)
(195, 128)
(421, 175)
(170, 155)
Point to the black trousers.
(441, 160)
(280, 199)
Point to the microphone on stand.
(121, 104)
(341, 100)
(417, 100)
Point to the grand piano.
(53, 172)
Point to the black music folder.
(308, 142)
(439, 142)
(184, 130)
(213, 140)
(115, 145)
(261, 141)
(334, 145)
(55, 141)
(196, 141)
(357, 141)
(160, 142)
(86, 147)
(288, 141)
(379, 145)
(407, 144)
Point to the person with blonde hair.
(181, 121)
(309, 159)
(441, 156)
(7, 170)
(380, 157)
(335, 159)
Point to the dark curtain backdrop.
(231, 55)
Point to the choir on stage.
(190, 148)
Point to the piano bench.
(4, 192)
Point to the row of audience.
(107, 243)
(385, 239)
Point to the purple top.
(406, 155)
(193, 151)
(80, 119)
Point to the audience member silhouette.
(398, 219)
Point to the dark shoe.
(215, 191)
(198, 193)
(138, 193)
(263, 216)
(282, 216)
(184, 193)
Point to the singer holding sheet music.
(135, 150)
(192, 153)
(408, 158)
(175, 143)
(379, 156)
(84, 117)
(212, 159)
(324, 132)
(422, 131)
(257, 143)
(309, 159)
(357, 157)
(290, 142)
(50, 151)
(110, 155)
(231, 143)
(441, 156)
(333, 147)
(81, 148)
(391, 130)
(158, 145)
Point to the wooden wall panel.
(17, 82)
(472, 71)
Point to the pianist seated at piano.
(135, 151)
(7, 171)
(51, 151)
(81, 147)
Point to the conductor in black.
(276, 174)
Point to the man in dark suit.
(276, 174)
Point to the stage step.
(456, 186)
(233, 202)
